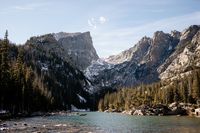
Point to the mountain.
(62, 57)
(63, 69)
(44, 74)
(186, 56)
(172, 62)
(64, 83)
(150, 60)
(146, 49)
(138, 50)
(76, 48)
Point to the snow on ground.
(81, 99)
(96, 67)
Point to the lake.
(103, 123)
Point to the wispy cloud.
(32, 6)
(24, 7)
(94, 22)
(102, 20)
(126, 37)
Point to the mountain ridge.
(146, 62)
(66, 65)
(76, 48)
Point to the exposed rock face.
(161, 57)
(60, 58)
(55, 77)
(162, 45)
(135, 53)
(79, 48)
(76, 48)
(138, 64)
(151, 59)
(187, 54)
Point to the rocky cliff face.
(148, 49)
(135, 53)
(76, 48)
(79, 48)
(186, 56)
(57, 60)
(151, 59)
(164, 56)
(55, 77)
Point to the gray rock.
(76, 48)
(162, 57)
(80, 49)
(139, 112)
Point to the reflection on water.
(105, 122)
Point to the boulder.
(160, 109)
(178, 108)
(178, 111)
(197, 112)
(139, 112)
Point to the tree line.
(35, 79)
(18, 91)
(186, 89)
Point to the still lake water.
(106, 123)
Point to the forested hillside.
(17, 91)
(185, 89)
(33, 79)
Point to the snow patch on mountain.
(81, 99)
(96, 67)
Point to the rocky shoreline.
(179, 109)
(14, 124)
(7, 115)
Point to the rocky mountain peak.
(145, 39)
(160, 37)
(196, 38)
(80, 49)
(162, 46)
(132, 53)
(74, 47)
(158, 34)
(139, 63)
(152, 50)
(176, 34)
(189, 32)
(163, 56)
(187, 53)
(60, 35)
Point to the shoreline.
(55, 124)
(173, 109)
(42, 114)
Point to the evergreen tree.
(196, 87)
(4, 71)
(185, 92)
(4, 66)
(101, 105)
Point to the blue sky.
(115, 25)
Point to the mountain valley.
(65, 69)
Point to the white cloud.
(31, 6)
(23, 8)
(102, 20)
(94, 22)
